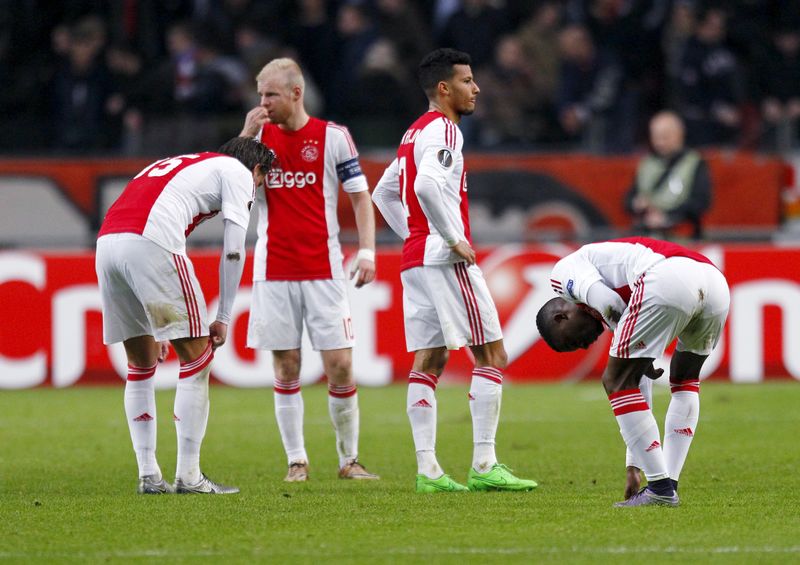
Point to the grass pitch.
(68, 476)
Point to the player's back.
(170, 197)
(432, 147)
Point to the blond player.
(446, 303)
(298, 275)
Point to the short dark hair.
(545, 321)
(437, 66)
(250, 152)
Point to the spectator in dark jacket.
(708, 87)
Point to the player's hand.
(218, 333)
(465, 251)
(363, 271)
(255, 118)
(652, 373)
(633, 480)
(163, 351)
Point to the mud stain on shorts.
(164, 314)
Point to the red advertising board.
(52, 331)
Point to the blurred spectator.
(475, 29)
(383, 98)
(514, 100)
(357, 32)
(395, 19)
(672, 184)
(679, 30)
(80, 91)
(313, 36)
(708, 88)
(538, 38)
(777, 76)
(126, 69)
(592, 105)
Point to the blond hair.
(290, 69)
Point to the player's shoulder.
(438, 129)
(340, 134)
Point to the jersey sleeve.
(345, 155)
(238, 193)
(388, 200)
(436, 150)
(572, 277)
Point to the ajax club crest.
(310, 151)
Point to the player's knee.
(431, 361)
(287, 365)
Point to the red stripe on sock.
(141, 373)
(426, 379)
(627, 401)
(490, 373)
(687, 386)
(193, 367)
(341, 391)
(292, 387)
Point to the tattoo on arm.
(233, 256)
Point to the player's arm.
(364, 264)
(428, 188)
(389, 201)
(607, 302)
(231, 266)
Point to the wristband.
(368, 254)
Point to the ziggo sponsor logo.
(278, 178)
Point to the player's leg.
(424, 337)
(633, 469)
(421, 407)
(276, 324)
(119, 260)
(330, 329)
(344, 412)
(289, 412)
(140, 411)
(696, 341)
(680, 423)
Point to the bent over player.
(446, 303)
(298, 274)
(649, 292)
(150, 293)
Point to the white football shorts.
(448, 305)
(678, 297)
(279, 308)
(146, 290)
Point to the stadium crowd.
(142, 77)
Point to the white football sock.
(343, 408)
(140, 411)
(191, 415)
(639, 431)
(680, 425)
(421, 409)
(485, 397)
(646, 388)
(289, 414)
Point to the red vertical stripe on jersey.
(350, 143)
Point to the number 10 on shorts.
(347, 323)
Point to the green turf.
(68, 475)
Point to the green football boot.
(499, 477)
(442, 484)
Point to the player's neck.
(296, 121)
(453, 116)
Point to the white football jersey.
(170, 197)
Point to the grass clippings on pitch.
(68, 476)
